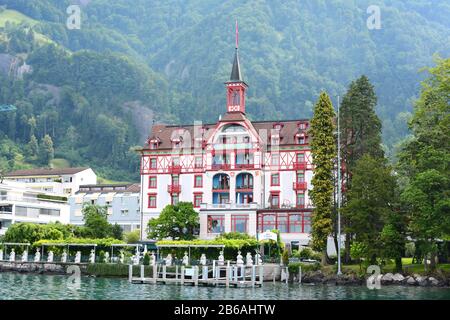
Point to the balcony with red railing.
(221, 166)
(245, 166)
(174, 188)
(300, 186)
(299, 165)
(174, 169)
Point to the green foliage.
(116, 232)
(46, 152)
(96, 221)
(104, 242)
(285, 257)
(358, 251)
(235, 235)
(115, 270)
(323, 150)
(30, 232)
(371, 208)
(424, 160)
(306, 267)
(50, 197)
(175, 221)
(132, 236)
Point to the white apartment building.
(18, 203)
(64, 181)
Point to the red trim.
(300, 186)
(235, 217)
(271, 180)
(150, 184)
(148, 198)
(198, 194)
(174, 188)
(195, 181)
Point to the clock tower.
(236, 86)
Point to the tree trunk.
(433, 261)
(398, 265)
(347, 258)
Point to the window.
(197, 200)
(282, 221)
(198, 162)
(285, 223)
(275, 159)
(152, 200)
(302, 126)
(239, 223)
(275, 200)
(267, 222)
(153, 163)
(301, 140)
(175, 199)
(275, 179)
(300, 177)
(124, 212)
(152, 182)
(216, 224)
(198, 181)
(175, 161)
(300, 200)
(295, 223)
(300, 157)
(175, 180)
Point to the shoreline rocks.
(318, 277)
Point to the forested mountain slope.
(172, 57)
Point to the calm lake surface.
(36, 287)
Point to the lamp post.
(339, 272)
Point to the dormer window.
(278, 126)
(153, 143)
(275, 139)
(302, 126)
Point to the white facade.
(60, 181)
(18, 203)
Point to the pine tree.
(323, 150)
(360, 135)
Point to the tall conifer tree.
(323, 150)
(360, 135)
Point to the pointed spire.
(236, 70)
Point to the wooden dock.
(227, 276)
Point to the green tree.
(323, 150)
(33, 146)
(96, 221)
(177, 222)
(424, 162)
(116, 232)
(47, 152)
(132, 236)
(360, 134)
(372, 200)
(428, 198)
(31, 232)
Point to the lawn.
(16, 17)
(59, 163)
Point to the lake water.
(35, 287)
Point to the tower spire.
(236, 86)
(236, 69)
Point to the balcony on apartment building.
(300, 186)
(174, 188)
(174, 169)
(229, 206)
(300, 165)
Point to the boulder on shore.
(387, 278)
(411, 281)
(397, 278)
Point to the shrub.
(235, 235)
(132, 237)
(306, 267)
(285, 257)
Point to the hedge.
(294, 267)
(106, 242)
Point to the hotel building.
(241, 175)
